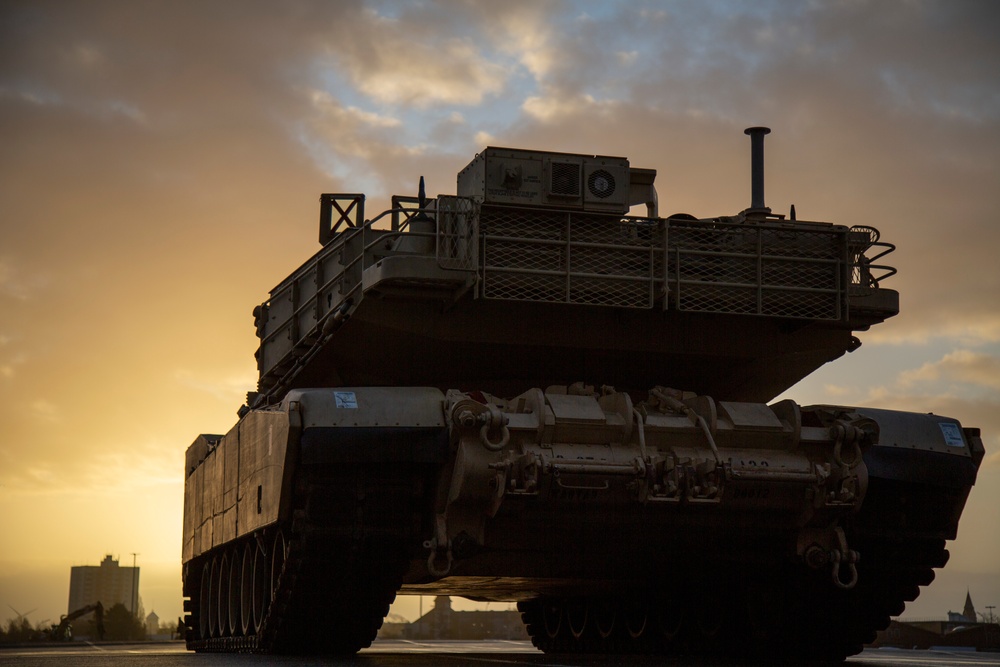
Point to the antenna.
(135, 593)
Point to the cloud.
(557, 109)
(9, 362)
(40, 476)
(380, 57)
(45, 411)
(626, 58)
(937, 321)
(837, 391)
(961, 384)
(106, 472)
(526, 33)
(12, 285)
(992, 460)
(230, 390)
(349, 119)
(964, 366)
(121, 472)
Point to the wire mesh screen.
(770, 269)
(756, 269)
(457, 233)
(565, 257)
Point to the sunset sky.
(161, 162)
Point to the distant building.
(960, 630)
(152, 624)
(968, 614)
(931, 634)
(106, 583)
(442, 622)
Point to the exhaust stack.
(757, 169)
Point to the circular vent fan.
(601, 184)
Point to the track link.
(785, 611)
(331, 572)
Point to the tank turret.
(533, 274)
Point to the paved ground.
(398, 653)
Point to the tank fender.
(922, 448)
(239, 482)
(922, 471)
(371, 425)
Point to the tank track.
(786, 611)
(333, 570)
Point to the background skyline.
(161, 162)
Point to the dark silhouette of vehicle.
(423, 424)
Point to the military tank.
(524, 393)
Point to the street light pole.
(134, 577)
(991, 607)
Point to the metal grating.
(565, 179)
(568, 258)
(457, 233)
(764, 270)
(729, 265)
(780, 270)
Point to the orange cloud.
(966, 366)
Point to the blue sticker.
(952, 434)
(346, 399)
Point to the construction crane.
(63, 631)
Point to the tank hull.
(727, 518)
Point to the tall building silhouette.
(106, 583)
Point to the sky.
(161, 162)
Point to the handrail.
(348, 299)
(775, 268)
(338, 245)
(862, 265)
(325, 252)
(889, 270)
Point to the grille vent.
(565, 179)
(601, 183)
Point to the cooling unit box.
(510, 176)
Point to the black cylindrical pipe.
(757, 165)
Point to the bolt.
(816, 557)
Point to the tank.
(523, 392)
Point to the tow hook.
(817, 557)
(843, 555)
(490, 419)
(441, 557)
